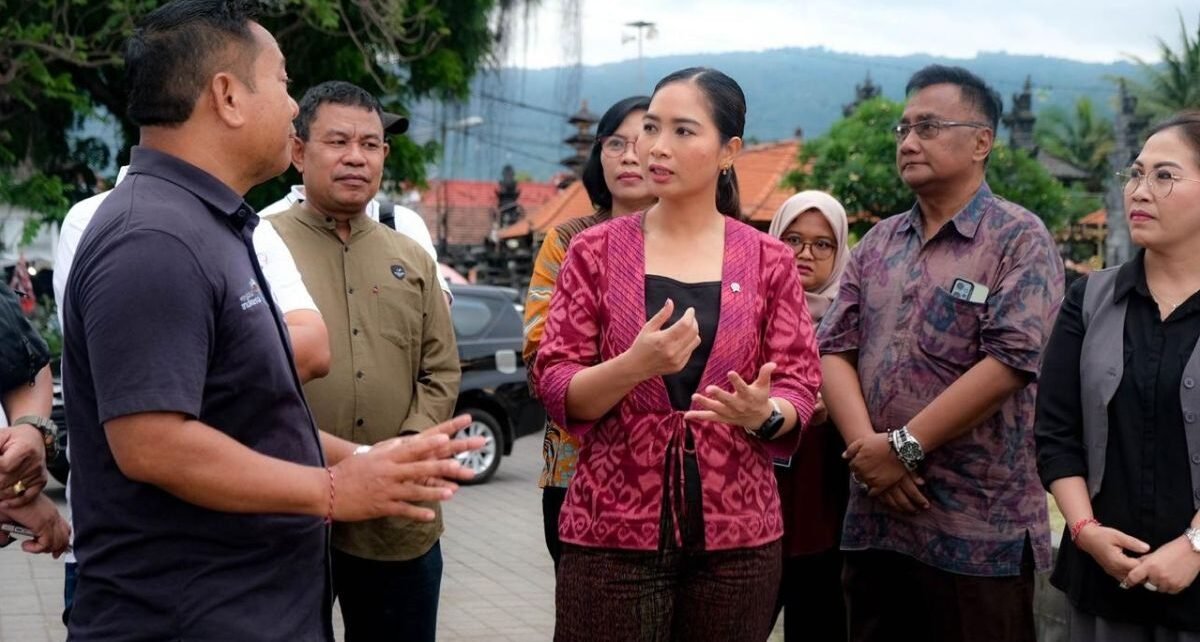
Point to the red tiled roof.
(471, 206)
(1099, 218)
(760, 169)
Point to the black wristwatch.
(48, 429)
(772, 425)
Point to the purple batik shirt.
(907, 307)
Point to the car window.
(471, 316)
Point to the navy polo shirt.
(167, 310)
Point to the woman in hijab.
(813, 484)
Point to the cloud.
(1088, 30)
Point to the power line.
(521, 105)
(507, 148)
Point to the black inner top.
(706, 299)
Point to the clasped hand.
(22, 459)
(875, 464)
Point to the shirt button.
(1189, 383)
(1190, 417)
(1196, 458)
(359, 374)
(354, 332)
(345, 249)
(359, 422)
(328, 219)
(350, 291)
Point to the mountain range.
(524, 111)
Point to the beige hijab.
(820, 299)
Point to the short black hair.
(335, 92)
(593, 171)
(975, 91)
(177, 48)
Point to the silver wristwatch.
(907, 448)
(1193, 537)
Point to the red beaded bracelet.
(329, 515)
(1080, 525)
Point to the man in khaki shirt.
(395, 364)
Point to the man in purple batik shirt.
(931, 353)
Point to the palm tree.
(1172, 85)
(1082, 138)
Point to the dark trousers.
(890, 596)
(552, 501)
(606, 595)
(392, 601)
(810, 596)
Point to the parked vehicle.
(494, 391)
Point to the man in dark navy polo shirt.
(201, 482)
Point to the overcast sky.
(1094, 31)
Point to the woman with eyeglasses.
(680, 351)
(1118, 405)
(814, 483)
(617, 186)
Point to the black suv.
(494, 390)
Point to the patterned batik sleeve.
(572, 333)
(537, 299)
(790, 341)
(839, 330)
(1021, 308)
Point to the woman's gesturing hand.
(748, 406)
(661, 351)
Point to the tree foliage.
(855, 162)
(1173, 84)
(60, 63)
(1081, 137)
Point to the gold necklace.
(1160, 302)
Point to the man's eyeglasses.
(614, 146)
(1160, 182)
(927, 129)
(820, 249)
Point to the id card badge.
(969, 291)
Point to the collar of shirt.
(965, 222)
(1131, 277)
(208, 188)
(359, 225)
(296, 195)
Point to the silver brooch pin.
(735, 286)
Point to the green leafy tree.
(1081, 137)
(855, 162)
(1173, 84)
(60, 63)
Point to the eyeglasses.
(927, 129)
(614, 146)
(1160, 182)
(820, 249)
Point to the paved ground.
(498, 583)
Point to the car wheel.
(486, 460)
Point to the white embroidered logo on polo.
(253, 297)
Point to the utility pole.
(444, 210)
(645, 31)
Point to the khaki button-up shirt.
(395, 363)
